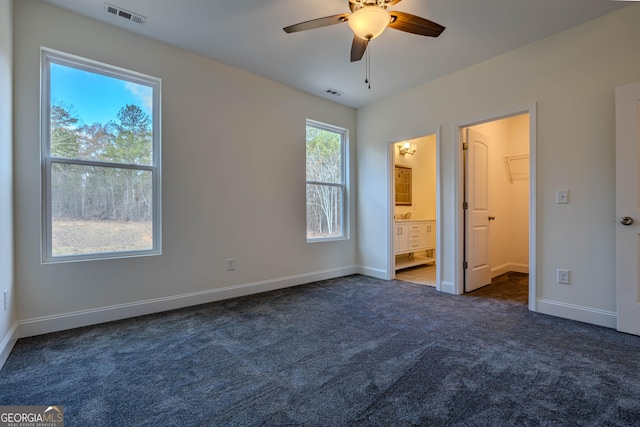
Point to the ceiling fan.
(368, 19)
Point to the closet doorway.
(497, 206)
(414, 210)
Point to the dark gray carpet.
(350, 351)
(509, 286)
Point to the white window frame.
(344, 187)
(47, 57)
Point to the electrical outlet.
(231, 264)
(563, 276)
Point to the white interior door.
(628, 206)
(478, 269)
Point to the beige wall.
(571, 77)
(7, 317)
(518, 144)
(233, 182)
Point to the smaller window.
(326, 184)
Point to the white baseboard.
(575, 312)
(7, 344)
(60, 322)
(519, 268)
(510, 266)
(378, 273)
(447, 287)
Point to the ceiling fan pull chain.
(367, 78)
(366, 69)
(369, 64)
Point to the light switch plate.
(562, 197)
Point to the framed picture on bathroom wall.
(403, 186)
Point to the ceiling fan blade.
(358, 48)
(414, 24)
(317, 23)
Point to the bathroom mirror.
(403, 186)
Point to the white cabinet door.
(401, 237)
(424, 234)
(430, 234)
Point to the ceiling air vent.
(333, 92)
(125, 14)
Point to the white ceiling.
(247, 34)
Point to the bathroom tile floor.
(423, 275)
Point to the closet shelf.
(517, 167)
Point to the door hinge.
(464, 265)
(465, 205)
(465, 146)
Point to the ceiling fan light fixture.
(369, 22)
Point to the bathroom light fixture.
(406, 148)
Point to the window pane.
(100, 209)
(99, 118)
(324, 211)
(102, 160)
(324, 155)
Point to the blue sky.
(95, 98)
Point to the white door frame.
(391, 260)
(459, 176)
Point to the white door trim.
(458, 173)
(391, 273)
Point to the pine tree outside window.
(100, 160)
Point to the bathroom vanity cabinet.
(417, 240)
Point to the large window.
(326, 187)
(100, 160)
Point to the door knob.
(491, 217)
(626, 220)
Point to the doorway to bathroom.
(415, 209)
